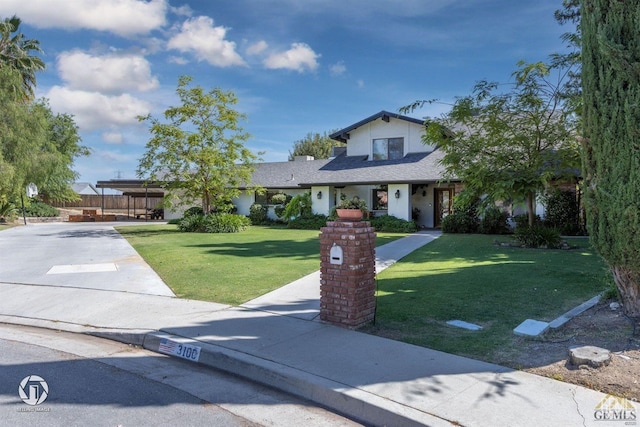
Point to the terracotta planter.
(349, 214)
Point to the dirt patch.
(599, 326)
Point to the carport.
(133, 189)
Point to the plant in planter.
(353, 208)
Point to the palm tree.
(15, 52)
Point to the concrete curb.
(343, 398)
(561, 320)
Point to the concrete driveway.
(80, 255)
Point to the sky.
(296, 66)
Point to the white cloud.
(206, 42)
(111, 73)
(184, 10)
(92, 110)
(112, 137)
(338, 68)
(299, 58)
(360, 83)
(122, 17)
(178, 60)
(114, 157)
(257, 48)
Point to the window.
(388, 148)
(380, 199)
(265, 198)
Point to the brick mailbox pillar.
(347, 273)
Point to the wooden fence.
(111, 202)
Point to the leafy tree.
(57, 154)
(316, 145)
(199, 154)
(508, 145)
(572, 88)
(611, 155)
(36, 145)
(16, 53)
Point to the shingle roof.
(284, 174)
(350, 170)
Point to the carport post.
(102, 204)
(146, 204)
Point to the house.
(385, 163)
(84, 188)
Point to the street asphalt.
(86, 278)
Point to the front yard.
(456, 277)
(470, 278)
(229, 268)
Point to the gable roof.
(343, 134)
(84, 188)
(352, 170)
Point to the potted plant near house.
(351, 209)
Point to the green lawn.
(229, 268)
(469, 278)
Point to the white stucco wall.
(425, 204)
(243, 203)
(400, 207)
(323, 205)
(360, 139)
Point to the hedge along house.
(385, 163)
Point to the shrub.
(459, 222)
(192, 223)
(225, 208)
(298, 206)
(522, 220)
(258, 214)
(563, 212)
(538, 236)
(464, 218)
(391, 224)
(312, 222)
(494, 221)
(280, 201)
(214, 223)
(8, 211)
(194, 210)
(225, 223)
(36, 208)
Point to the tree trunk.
(531, 207)
(628, 284)
(206, 203)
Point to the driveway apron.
(83, 255)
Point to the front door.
(443, 205)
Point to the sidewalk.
(272, 340)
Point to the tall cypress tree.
(611, 162)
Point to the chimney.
(303, 158)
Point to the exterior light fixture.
(397, 194)
(319, 195)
